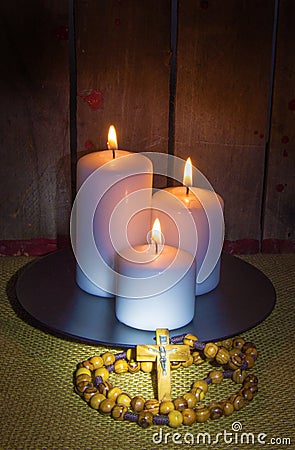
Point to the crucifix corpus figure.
(163, 353)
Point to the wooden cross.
(163, 353)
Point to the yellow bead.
(145, 419)
(190, 339)
(105, 387)
(95, 400)
(175, 364)
(82, 370)
(210, 350)
(198, 393)
(239, 342)
(89, 392)
(137, 403)
(108, 358)
(222, 356)
(118, 412)
(227, 343)
(228, 407)
(124, 399)
(147, 366)
(201, 384)
(131, 354)
(180, 403)
(202, 413)
(121, 366)
(96, 361)
(114, 393)
(83, 377)
(197, 358)
(175, 419)
(152, 405)
(133, 366)
(102, 372)
(87, 364)
(166, 406)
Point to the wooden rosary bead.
(251, 379)
(198, 358)
(189, 416)
(105, 387)
(238, 401)
(239, 342)
(201, 384)
(96, 361)
(175, 418)
(222, 356)
(198, 393)
(123, 399)
(102, 372)
(180, 403)
(152, 406)
(114, 393)
(108, 358)
(234, 352)
(235, 362)
(227, 343)
(106, 406)
(252, 351)
(89, 392)
(145, 419)
(83, 377)
(250, 361)
(82, 386)
(87, 364)
(131, 354)
(228, 407)
(216, 410)
(252, 387)
(166, 406)
(96, 400)
(189, 340)
(82, 370)
(118, 412)
(137, 403)
(247, 394)
(210, 350)
(133, 366)
(238, 376)
(175, 365)
(216, 376)
(121, 366)
(191, 399)
(202, 413)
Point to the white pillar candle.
(175, 206)
(155, 290)
(104, 182)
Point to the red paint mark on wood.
(94, 99)
(89, 145)
(285, 153)
(241, 246)
(280, 187)
(32, 247)
(61, 33)
(285, 139)
(291, 104)
(278, 246)
(117, 22)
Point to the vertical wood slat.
(280, 200)
(224, 57)
(34, 170)
(123, 51)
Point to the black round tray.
(48, 292)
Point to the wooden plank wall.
(123, 54)
(34, 170)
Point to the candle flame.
(112, 139)
(156, 232)
(188, 173)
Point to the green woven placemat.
(39, 409)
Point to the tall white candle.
(175, 207)
(155, 289)
(106, 179)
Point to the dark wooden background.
(209, 82)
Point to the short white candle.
(155, 290)
(117, 174)
(176, 207)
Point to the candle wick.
(156, 243)
(187, 190)
(114, 154)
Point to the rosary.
(234, 356)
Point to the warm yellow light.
(112, 138)
(188, 173)
(156, 232)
